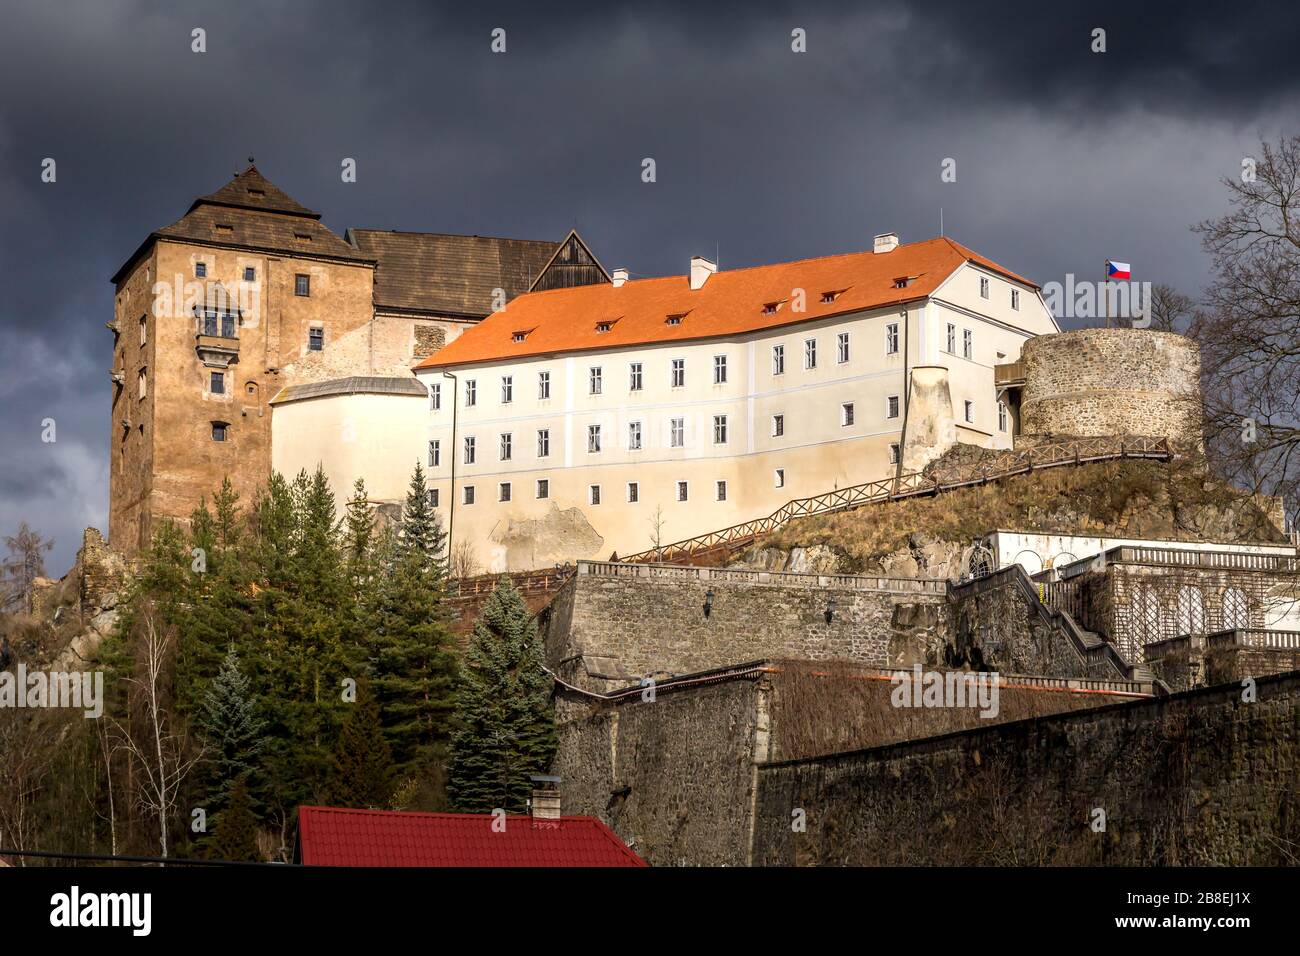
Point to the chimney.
(619, 276)
(701, 269)
(545, 803)
(886, 242)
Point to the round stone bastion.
(1094, 382)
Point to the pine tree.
(421, 526)
(234, 834)
(362, 771)
(232, 732)
(359, 539)
(505, 729)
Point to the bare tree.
(26, 751)
(1169, 309)
(26, 563)
(657, 527)
(1250, 332)
(463, 563)
(160, 753)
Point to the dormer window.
(771, 308)
(902, 282)
(675, 319)
(604, 326)
(224, 227)
(302, 237)
(519, 336)
(828, 297)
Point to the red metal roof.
(331, 836)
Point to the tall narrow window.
(470, 450)
(719, 429)
(1002, 416)
(893, 452)
(302, 284)
(679, 373)
(471, 393)
(719, 370)
(633, 436)
(595, 379)
(142, 383)
(633, 492)
(435, 396)
(1015, 299)
(593, 439)
(951, 347)
(504, 491)
(722, 491)
(144, 329)
(218, 383)
(778, 359)
(891, 406)
(316, 339)
(846, 414)
(507, 389)
(543, 386)
(435, 453)
(970, 411)
(433, 497)
(842, 347)
(543, 488)
(778, 426)
(810, 353)
(967, 344)
(683, 491)
(891, 338)
(467, 494)
(543, 442)
(634, 377)
(507, 446)
(778, 478)
(593, 494)
(677, 432)
(984, 287)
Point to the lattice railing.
(913, 484)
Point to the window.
(469, 450)
(593, 439)
(778, 478)
(967, 344)
(593, 494)
(543, 386)
(633, 492)
(471, 393)
(218, 383)
(200, 270)
(507, 389)
(302, 284)
(543, 442)
(435, 453)
(433, 497)
(894, 452)
(144, 330)
(595, 380)
(604, 326)
(771, 308)
(634, 377)
(316, 340)
(543, 487)
(719, 370)
(675, 319)
(891, 406)
(984, 287)
(846, 414)
(1015, 298)
(503, 491)
(778, 359)
(719, 429)
(679, 373)
(1236, 613)
(518, 336)
(891, 338)
(842, 347)
(467, 495)
(633, 436)
(507, 446)
(142, 383)
(219, 431)
(250, 274)
(1191, 610)
(722, 491)
(1002, 416)
(435, 396)
(683, 491)
(778, 426)
(810, 353)
(677, 432)
(951, 347)
(830, 296)
(970, 411)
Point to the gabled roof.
(729, 303)
(441, 274)
(331, 836)
(250, 212)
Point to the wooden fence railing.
(910, 485)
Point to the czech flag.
(1117, 270)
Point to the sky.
(1064, 157)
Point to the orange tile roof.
(730, 303)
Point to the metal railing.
(844, 582)
(910, 485)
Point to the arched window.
(1236, 612)
(1191, 610)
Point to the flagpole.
(1105, 283)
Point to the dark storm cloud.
(1064, 156)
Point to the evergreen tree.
(234, 835)
(359, 539)
(421, 526)
(232, 731)
(505, 729)
(362, 771)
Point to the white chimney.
(545, 802)
(618, 276)
(701, 269)
(887, 242)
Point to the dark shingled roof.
(259, 216)
(449, 275)
(352, 385)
